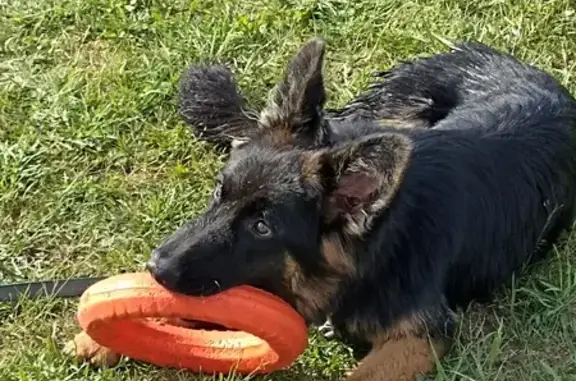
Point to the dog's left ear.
(359, 179)
(296, 103)
(213, 107)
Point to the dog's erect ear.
(213, 108)
(360, 178)
(296, 102)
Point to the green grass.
(96, 167)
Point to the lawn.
(96, 166)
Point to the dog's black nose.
(163, 269)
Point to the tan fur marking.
(282, 136)
(335, 254)
(400, 353)
(312, 294)
(308, 293)
(311, 170)
(402, 359)
(279, 136)
(292, 272)
(83, 348)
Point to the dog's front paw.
(83, 348)
(327, 329)
(348, 372)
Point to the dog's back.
(490, 184)
(422, 92)
(493, 185)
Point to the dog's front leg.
(406, 351)
(84, 349)
(399, 360)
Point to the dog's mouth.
(210, 288)
(202, 288)
(205, 287)
(190, 287)
(197, 289)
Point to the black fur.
(439, 182)
(213, 106)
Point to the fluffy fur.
(426, 192)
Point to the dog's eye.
(261, 228)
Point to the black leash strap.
(52, 288)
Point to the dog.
(426, 192)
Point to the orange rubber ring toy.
(118, 313)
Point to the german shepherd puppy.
(424, 193)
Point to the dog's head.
(285, 208)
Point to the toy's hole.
(190, 324)
(143, 336)
(207, 326)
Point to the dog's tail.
(212, 106)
